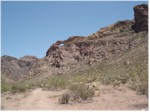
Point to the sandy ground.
(106, 98)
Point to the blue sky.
(29, 28)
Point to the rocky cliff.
(79, 53)
(141, 18)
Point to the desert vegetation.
(13, 87)
(135, 76)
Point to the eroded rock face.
(99, 46)
(141, 18)
(78, 48)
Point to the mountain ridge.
(79, 52)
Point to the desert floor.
(106, 98)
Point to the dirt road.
(107, 98)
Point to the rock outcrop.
(141, 18)
(98, 46)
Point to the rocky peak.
(16, 67)
(141, 18)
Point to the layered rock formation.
(77, 53)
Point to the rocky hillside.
(15, 69)
(125, 40)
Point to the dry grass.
(56, 82)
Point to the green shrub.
(64, 98)
(82, 91)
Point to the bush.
(89, 93)
(64, 98)
(82, 91)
